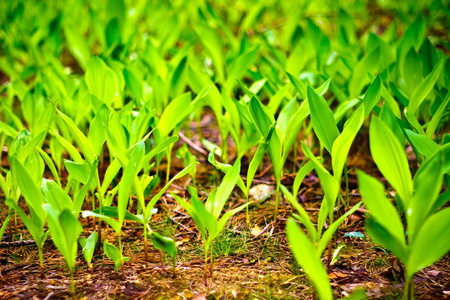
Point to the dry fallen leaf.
(199, 297)
(433, 273)
(260, 192)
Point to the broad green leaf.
(155, 198)
(174, 113)
(178, 79)
(224, 220)
(423, 89)
(57, 232)
(425, 145)
(306, 255)
(113, 223)
(113, 212)
(89, 247)
(390, 158)
(225, 168)
(164, 243)
(97, 135)
(208, 219)
(431, 243)
(427, 185)
(261, 118)
(71, 149)
(55, 196)
(304, 217)
(80, 172)
(193, 213)
(330, 185)
(30, 191)
(301, 174)
(35, 225)
(326, 237)
(101, 80)
(380, 207)
(344, 141)
(129, 174)
(113, 253)
(224, 190)
(322, 119)
(257, 158)
(28, 148)
(372, 96)
(72, 230)
(81, 195)
(383, 236)
(82, 142)
(437, 116)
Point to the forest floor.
(252, 261)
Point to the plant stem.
(277, 202)
(330, 248)
(408, 293)
(72, 284)
(169, 161)
(121, 256)
(41, 260)
(347, 197)
(145, 244)
(246, 210)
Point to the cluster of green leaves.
(102, 89)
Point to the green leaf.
(30, 191)
(113, 253)
(423, 89)
(326, 237)
(164, 243)
(390, 158)
(80, 172)
(425, 145)
(224, 220)
(304, 217)
(101, 80)
(129, 175)
(224, 190)
(431, 243)
(437, 116)
(113, 212)
(155, 198)
(89, 247)
(55, 195)
(372, 96)
(386, 223)
(344, 141)
(79, 137)
(113, 223)
(306, 255)
(322, 119)
(174, 113)
(427, 185)
(72, 230)
(260, 116)
(97, 135)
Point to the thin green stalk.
(145, 244)
(72, 283)
(169, 161)
(41, 261)
(408, 293)
(246, 210)
(347, 195)
(121, 256)
(277, 202)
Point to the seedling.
(206, 216)
(65, 230)
(428, 229)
